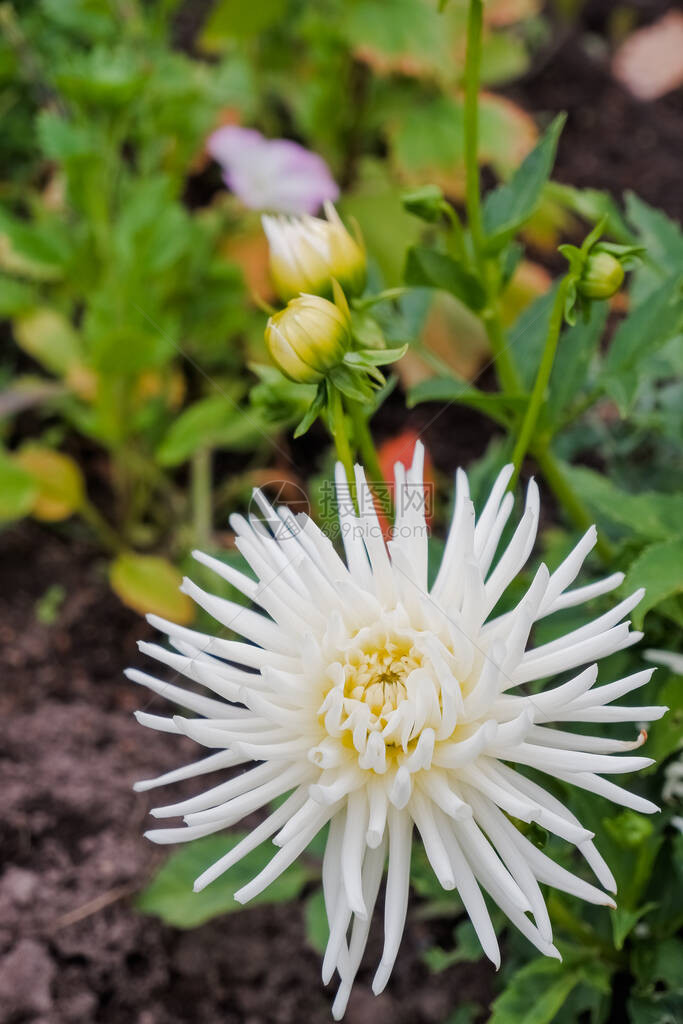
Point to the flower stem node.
(308, 338)
(306, 253)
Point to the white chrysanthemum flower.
(376, 704)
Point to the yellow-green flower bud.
(602, 276)
(307, 252)
(308, 337)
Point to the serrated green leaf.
(170, 895)
(511, 204)
(432, 269)
(535, 993)
(650, 515)
(647, 328)
(660, 570)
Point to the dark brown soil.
(73, 947)
(611, 140)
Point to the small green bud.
(426, 202)
(602, 276)
(308, 338)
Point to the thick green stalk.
(201, 483)
(368, 453)
(475, 19)
(99, 525)
(506, 371)
(567, 497)
(341, 439)
(538, 393)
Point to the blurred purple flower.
(271, 174)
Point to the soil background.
(73, 948)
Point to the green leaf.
(625, 920)
(432, 269)
(510, 205)
(313, 411)
(17, 490)
(660, 570)
(148, 583)
(466, 949)
(591, 204)
(60, 488)
(30, 250)
(170, 895)
(49, 338)
(214, 422)
(650, 515)
(526, 337)
(426, 202)
(575, 352)
(666, 735)
(661, 1008)
(233, 19)
(63, 140)
(502, 408)
(535, 993)
(15, 296)
(631, 844)
(663, 240)
(315, 918)
(645, 330)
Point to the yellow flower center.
(376, 677)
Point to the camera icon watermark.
(279, 514)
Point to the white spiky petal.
(377, 705)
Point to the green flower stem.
(475, 19)
(506, 371)
(551, 469)
(100, 527)
(568, 499)
(538, 394)
(341, 440)
(368, 452)
(457, 233)
(201, 485)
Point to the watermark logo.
(339, 507)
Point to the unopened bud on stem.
(308, 338)
(307, 252)
(602, 277)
